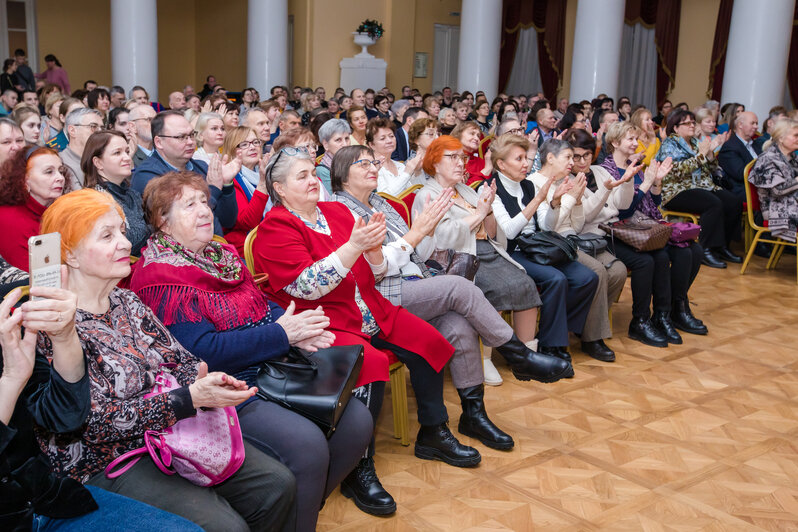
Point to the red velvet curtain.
(663, 16)
(792, 64)
(718, 64)
(548, 19)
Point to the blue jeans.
(116, 513)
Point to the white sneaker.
(492, 377)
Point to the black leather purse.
(548, 248)
(451, 262)
(316, 385)
(589, 243)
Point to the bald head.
(745, 125)
(177, 101)
(257, 120)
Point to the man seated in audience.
(141, 116)
(30, 99)
(80, 124)
(398, 108)
(11, 139)
(139, 95)
(117, 94)
(8, 100)
(177, 101)
(547, 125)
(447, 97)
(774, 115)
(173, 139)
(257, 120)
(737, 152)
(359, 98)
(605, 119)
(562, 106)
(402, 150)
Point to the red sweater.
(18, 223)
(250, 214)
(286, 246)
(474, 167)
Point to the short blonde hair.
(780, 130)
(617, 131)
(501, 146)
(703, 112)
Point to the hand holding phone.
(44, 260)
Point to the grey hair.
(9, 91)
(554, 147)
(116, 89)
(137, 88)
(278, 168)
(202, 123)
(445, 111)
(333, 127)
(74, 118)
(397, 106)
(504, 126)
(10, 123)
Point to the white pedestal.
(362, 73)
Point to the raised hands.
(217, 389)
(368, 236)
(579, 184)
(485, 201)
(427, 220)
(705, 146)
(562, 189)
(222, 171)
(665, 168)
(19, 352)
(635, 164)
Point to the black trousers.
(650, 276)
(685, 263)
(720, 212)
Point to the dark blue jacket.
(401, 151)
(732, 157)
(222, 202)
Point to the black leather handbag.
(451, 262)
(316, 385)
(547, 248)
(589, 243)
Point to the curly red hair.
(13, 187)
(435, 152)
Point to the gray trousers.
(460, 312)
(259, 496)
(610, 284)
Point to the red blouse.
(285, 246)
(474, 167)
(19, 223)
(250, 214)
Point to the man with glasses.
(141, 116)
(79, 126)
(173, 141)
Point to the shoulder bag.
(589, 243)
(641, 232)
(548, 248)
(315, 385)
(451, 262)
(205, 449)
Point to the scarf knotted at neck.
(183, 286)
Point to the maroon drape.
(718, 63)
(792, 64)
(548, 19)
(664, 16)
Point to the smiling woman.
(32, 180)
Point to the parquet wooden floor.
(700, 436)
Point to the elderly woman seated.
(775, 175)
(333, 135)
(316, 253)
(452, 304)
(393, 176)
(107, 165)
(206, 296)
(125, 346)
(31, 181)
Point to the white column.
(480, 31)
(134, 44)
(267, 44)
(757, 54)
(597, 49)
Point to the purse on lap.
(547, 248)
(451, 262)
(683, 233)
(640, 232)
(316, 385)
(589, 243)
(205, 449)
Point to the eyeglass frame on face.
(516, 131)
(147, 118)
(93, 126)
(245, 144)
(180, 138)
(454, 157)
(365, 163)
(688, 123)
(432, 134)
(584, 157)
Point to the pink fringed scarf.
(171, 281)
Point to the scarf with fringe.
(183, 286)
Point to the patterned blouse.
(124, 349)
(690, 169)
(323, 276)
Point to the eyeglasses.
(516, 131)
(93, 126)
(288, 150)
(586, 157)
(308, 147)
(432, 134)
(365, 163)
(456, 157)
(180, 138)
(247, 143)
(686, 123)
(145, 118)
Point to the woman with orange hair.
(125, 347)
(469, 227)
(32, 180)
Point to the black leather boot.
(662, 321)
(683, 319)
(474, 420)
(556, 351)
(527, 364)
(363, 487)
(643, 330)
(598, 350)
(436, 442)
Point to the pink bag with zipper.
(206, 449)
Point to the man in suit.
(173, 140)
(402, 150)
(141, 116)
(547, 125)
(737, 152)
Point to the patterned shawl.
(776, 178)
(183, 286)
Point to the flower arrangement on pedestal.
(367, 34)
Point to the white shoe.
(492, 377)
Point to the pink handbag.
(206, 449)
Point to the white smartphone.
(44, 258)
